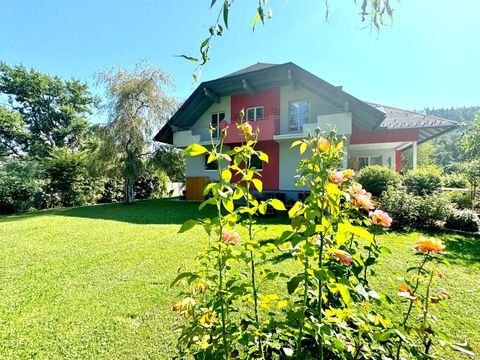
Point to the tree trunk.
(128, 191)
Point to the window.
(298, 114)
(369, 160)
(210, 166)
(256, 162)
(215, 119)
(255, 113)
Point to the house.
(286, 102)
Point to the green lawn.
(93, 282)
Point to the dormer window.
(255, 113)
(215, 119)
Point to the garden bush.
(376, 179)
(231, 305)
(422, 181)
(403, 207)
(466, 220)
(460, 199)
(455, 180)
(152, 184)
(21, 183)
(70, 178)
(433, 210)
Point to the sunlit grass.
(94, 282)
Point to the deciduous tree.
(137, 104)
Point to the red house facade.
(285, 102)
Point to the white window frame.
(300, 124)
(254, 108)
(369, 159)
(216, 134)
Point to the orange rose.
(379, 217)
(323, 144)
(343, 256)
(428, 245)
(348, 174)
(246, 128)
(230, 237)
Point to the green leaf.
(255, 19)
(277, 204)
(303, 148)
(213, 3)
(183, 276)
(187, 225)
(195, 149)
(293, 283)
(344, 293)
(225, 13)
(189, 58)
(211, 158)
(293, 211)
(210, 201)
(228, 205)
(296, 143)
(226, 175)
(262, 156)
(258, 184)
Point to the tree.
(53, 110)
(471, 139)
(171, 160)
(13, 134)
(136, 104)
(373, 10)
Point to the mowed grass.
(94, 282)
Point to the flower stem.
(411, 303)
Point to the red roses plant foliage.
(328, 309)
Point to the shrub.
(152, 184)
(423, 181)
(376, 179)
(460, 199)
(403, 207)
(70, 178)
(432, 210)
(455, 180)
(112, 191)
(465, 220)
(21, 181)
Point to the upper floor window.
(215, 119)
(255, 113)
(298, 114)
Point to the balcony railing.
(276, 125)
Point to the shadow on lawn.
(162, 211)
(462, 248)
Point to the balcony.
(271, 128)
(295, 127)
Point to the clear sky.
(430, 57)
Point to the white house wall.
(385, 153)
(289, 160)
(317, 104)
(204, 121)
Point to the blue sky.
(430, 57)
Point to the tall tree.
(53, 110)
(471, 139)
(137, 104)
(13, 133)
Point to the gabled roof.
(254, 67)
(263, 76)
(428, 126)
